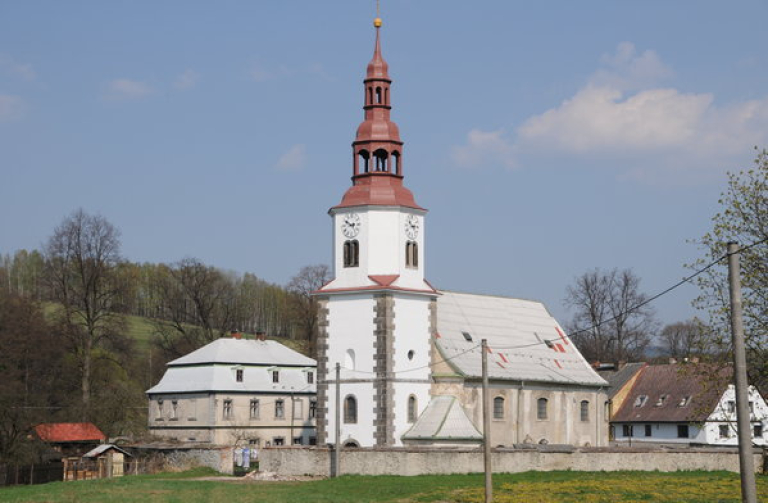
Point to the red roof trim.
(384, 279)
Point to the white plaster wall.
(351, 326)
(661, 432)
(411, 333)
(722, 416)
(382, 247)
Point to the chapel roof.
(525, 343)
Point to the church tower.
(377, 315)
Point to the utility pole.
(746, 457)
(486, 427)
(337, 442)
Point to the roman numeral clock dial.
(350, 225)
(412, 227)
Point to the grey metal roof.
(96, 451)
(525, 342)
(443, 419)
(244, 352)
(213, 368)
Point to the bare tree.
(610, 322)
(685, 339)
(81, 259)
(304, 306)
(198, 306)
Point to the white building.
(399, 342)
(685, 404)
(237, 391)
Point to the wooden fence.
(72, 469)
(30, 474)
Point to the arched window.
(386, 96)
(412, 254)
(378, 96)
(396, 162)
(584, 410)
(364, 161)
(350, 410)
(541, 408)
(349, 359)
(412, 409)
(351, 253)
(370, 96)
(498, 407)
(380, 160)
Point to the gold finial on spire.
(377, 21)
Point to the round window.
(410, 354)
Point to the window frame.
(280, 409)
(584, 411)
(498, 408)
(227, 409)
(350, 409)
(542, 409)
(255, 408)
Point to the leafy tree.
(743, 218)
(609, 323)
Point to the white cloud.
(483, 147)
(623, 118)
(294, 159)
(122, 89)
(11, 107)
(187, 80)
(22, 70)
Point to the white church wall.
(411, 334)
(350, 327)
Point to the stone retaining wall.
(182, 457)
(317, 461)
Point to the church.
(409, 354)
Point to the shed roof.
(101, 449)
(690, 393)
(443, 419)
(244, 352)
(69, 432)
(525, 342)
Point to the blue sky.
(546, 138)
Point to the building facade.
(237, 391)
(408, 372)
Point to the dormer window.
(662, 399)
(310, 377)
(275, 376)
(640, 400)
(239, 375)
(684, 401)
(351, 253)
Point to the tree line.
(66, 352)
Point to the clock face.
(412, 226)
(350, 225)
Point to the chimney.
(236, 334)
(260, 335)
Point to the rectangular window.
(279, 409)
(498, 408)
(757, 430)
(312, 409)
(192, 409)
(751, 407)
(730, 407)
(297, 441)
(174, 410)
(310, 377)
(239, 375)
(648, 430)
(160, 410)
(626, 430)
(278, 441)
(312, 440)
(298, 408)
(255, 409)
(275, 376)
(584, 411)
(541, 408)
(725, 431)
(682, 431)
(227, 409)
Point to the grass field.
(531, 487)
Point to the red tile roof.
(69, 432)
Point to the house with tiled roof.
(237, 391)
(685, 404)
(70, 439)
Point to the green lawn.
(531, 487)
